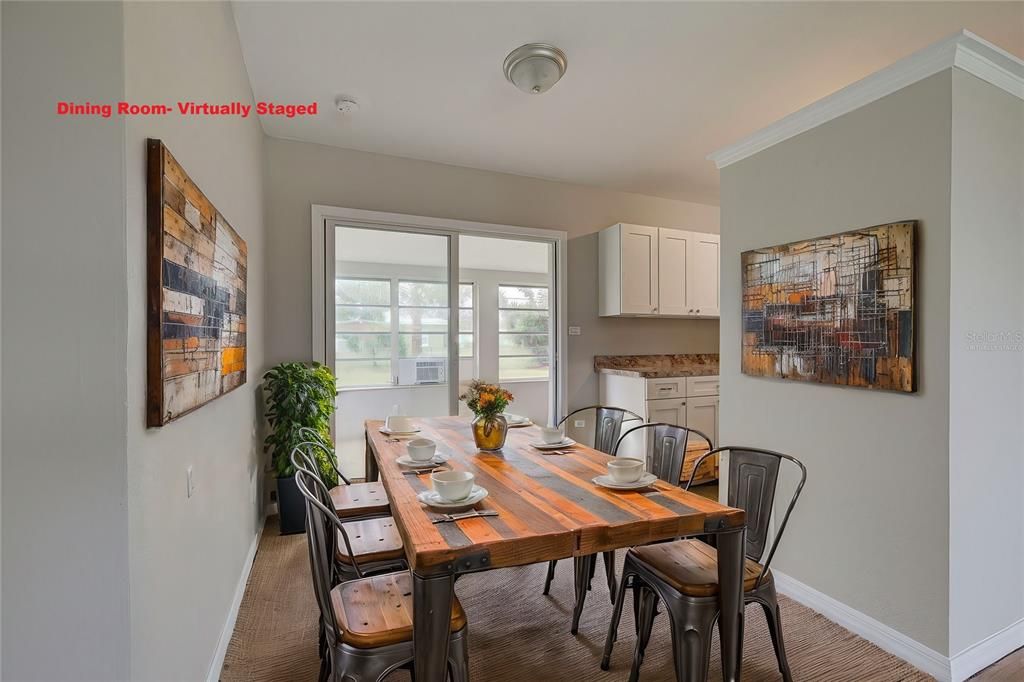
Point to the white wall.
(65, 522)
(187, 553)
(300, 174)
(872, 527)
(986, 426)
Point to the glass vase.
(489, 432)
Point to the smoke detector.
(535, 67)
(346, 106)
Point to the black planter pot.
(291, 506)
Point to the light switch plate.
(190, 484)
(575, 331)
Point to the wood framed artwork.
(833, 310)
(196, 276)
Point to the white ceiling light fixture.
(535, 67)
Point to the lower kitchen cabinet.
(689, 401)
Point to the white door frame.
(325, 216)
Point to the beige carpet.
(519, 635)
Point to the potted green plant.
(298, 396)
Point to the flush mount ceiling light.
(535, 67)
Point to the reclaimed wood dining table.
(548, 508)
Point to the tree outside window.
(524, 333)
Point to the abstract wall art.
(833, 310)
(196, 303)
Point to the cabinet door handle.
(698, 310)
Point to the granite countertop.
(658, 366)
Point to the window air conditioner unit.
(421, 371)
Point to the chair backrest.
(315, 439)
(666, 449)
(607, 425)
(321, 538)
(753, 480)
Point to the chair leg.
(550, 576)
(648, 603)
(773, 615)
(458, 659)
(613, 626)
(593, 570)
(609, 573)
(637, 598)
(692, 628)
(581, 566)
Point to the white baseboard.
(229, 623)
(986, 652)
(879, 634)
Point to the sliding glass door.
(407, 310)
(394, 323)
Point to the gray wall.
(300, 174)
(872, 527)
(65, 523)
(986, 428)
(187, 553)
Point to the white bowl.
(625, 470)
(421, 449)
(551, 434)
(452, 486)
(398, 424)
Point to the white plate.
(606, 481)
(566, 442)
(432, 499)
(388, 432)
(438, 458)
(515, 419)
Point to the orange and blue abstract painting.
(834, 310)
(197, 304)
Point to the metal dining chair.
(666, 449)
(684, 574)
(350, 500)
(366, 623)
(608, 423)
(374, 543)
(666, 453)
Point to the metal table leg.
(730, 580)
(431, 625)
(370, 463)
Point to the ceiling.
(650, 91)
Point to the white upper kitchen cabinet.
(630, 254)
(673, 249)
(657, 272)
(702, 277)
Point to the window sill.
(524, 381)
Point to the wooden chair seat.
(372, 540)
(691, 566)
(360, 499)
(377, 611)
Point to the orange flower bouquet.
(488, 401)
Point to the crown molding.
(962, 50)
